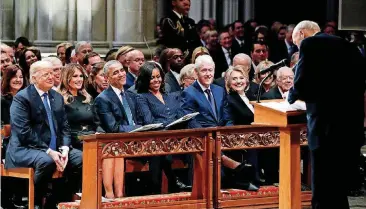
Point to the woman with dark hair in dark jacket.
(154, 105)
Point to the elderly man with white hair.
(210, 101)
(40, 134)
(334, 123)
(284, 81)
(57, 65)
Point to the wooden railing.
(130, 145)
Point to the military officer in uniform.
(178, 30)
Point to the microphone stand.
(260, 86)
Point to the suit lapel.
(113, 96)
(201, 95)
(277, 93)
(174, 81)
(39, 103)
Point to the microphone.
(274, 67)
(270, 70)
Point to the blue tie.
(211, 101)
(50, 121)
(127, 109)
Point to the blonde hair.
(262, 66)
(228, 80)
(198, 52)
(36, 67)
(187, 70)
(123, 51)
(67, 73)
(64, 44)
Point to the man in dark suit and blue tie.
(40, 134)
(210, 101)
(134, 60)
(115, 108)
(335, 125)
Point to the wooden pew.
(248, 137)
(24, 173)
(97, 147)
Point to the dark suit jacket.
(130, 81)
(5, 108)
(113, 118)
(30, 129)
(220, 62)
(273, 93)
(241, 49)
(252, 91)
(193, 99)
(322, 63)
(172, 82)
(184, 37)
(239, 111)
(220, 82)
(151, 110)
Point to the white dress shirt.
(118, 92)
(204, 89)
(284, 95)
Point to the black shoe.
(245, 186)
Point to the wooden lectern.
(289, 123)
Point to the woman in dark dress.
(156, 106)
(12, 81)
(242, 111)
(78, 103)
(97, 81)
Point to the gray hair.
(186, 71)
(108, 65)
(4, 46)
(308, 25)
(53, 60)
(290, 27)
(203, 59)
(80, 44)
(281, 70)
(36, 67)
(242, 56)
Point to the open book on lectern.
(285, 106)
(169, 126)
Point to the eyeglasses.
(189, 78)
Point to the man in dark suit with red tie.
(335, 124)
(40, 134)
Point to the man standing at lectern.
(335, 125)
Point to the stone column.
(230, 11)
(44, 20)
(135, 22)
(7, 19)
(21, 17)
(196, 10)
(71, 20)
(84, 20)
(248, 9)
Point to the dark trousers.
(159, 163)
(44, 166)
(330, 167)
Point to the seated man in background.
(39, 129)
(284, 81)
(210, 101)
